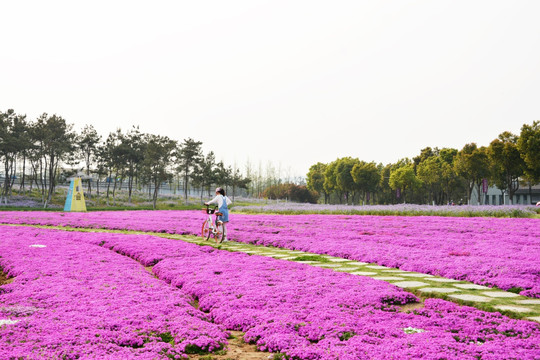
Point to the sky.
(290, 83)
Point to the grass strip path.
(422, 285)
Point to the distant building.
(494, 196)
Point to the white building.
(494, 196)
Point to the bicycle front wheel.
(206, 231)
(219, 233)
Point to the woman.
(222, 202)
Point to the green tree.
(425, 154)
(13, 143)
(344, 180)
(158, 159)
(238, 181)
(507, 164)
(113, 159)
(330, 184)
(87, 146)
(315, 179)
(405, 179)
(131, 152)
(529, 148)
(189, 156)
(55, 140)
(366, 177)
(205, 175)
(472, 163)
(435, 173)
(223, 174)
(291, 192)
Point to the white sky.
(291, 82)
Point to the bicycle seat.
(219, 214)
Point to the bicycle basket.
(208, 210)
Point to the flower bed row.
(79, 286)
(71, 299)
(500, 252)
(312, 313)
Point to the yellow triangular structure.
(75, 197)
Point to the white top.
(218, 200)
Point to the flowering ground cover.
(313, 313)
(71, 286)
(71, 299)
(500, 252)
(398, 209)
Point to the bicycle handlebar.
(208, 210)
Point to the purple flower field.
(88, 296)
(397, 209)
(500, 252)
(71, 299)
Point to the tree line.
(436, 175)
(45, 151)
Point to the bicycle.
(210, 227)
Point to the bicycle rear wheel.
(206, 231)
(219, 233)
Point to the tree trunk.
(21, 187)
(186, 187)
(130, 188)
(114, 190)
(108, 186)
(53, 163)
(512, 189)
(156, 187)
(12, 175)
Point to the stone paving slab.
(338, 260)
(518, 309)
(319, 264)
(414, 275)
(438, 290)
(499, 294)
(534, 318)
(8, 322)
(410, 284)
(471, 287)
(347, 269)
(529, 302)
(326, 265)
(468, 297)
(376, 267)
(393, 271)
(357, 263)
(388, 278)
(442, 280)
(363, 273)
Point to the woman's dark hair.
(221, 191)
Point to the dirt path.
(4, 279)
(237, 350)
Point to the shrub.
(292, 192)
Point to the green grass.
(319, 258)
